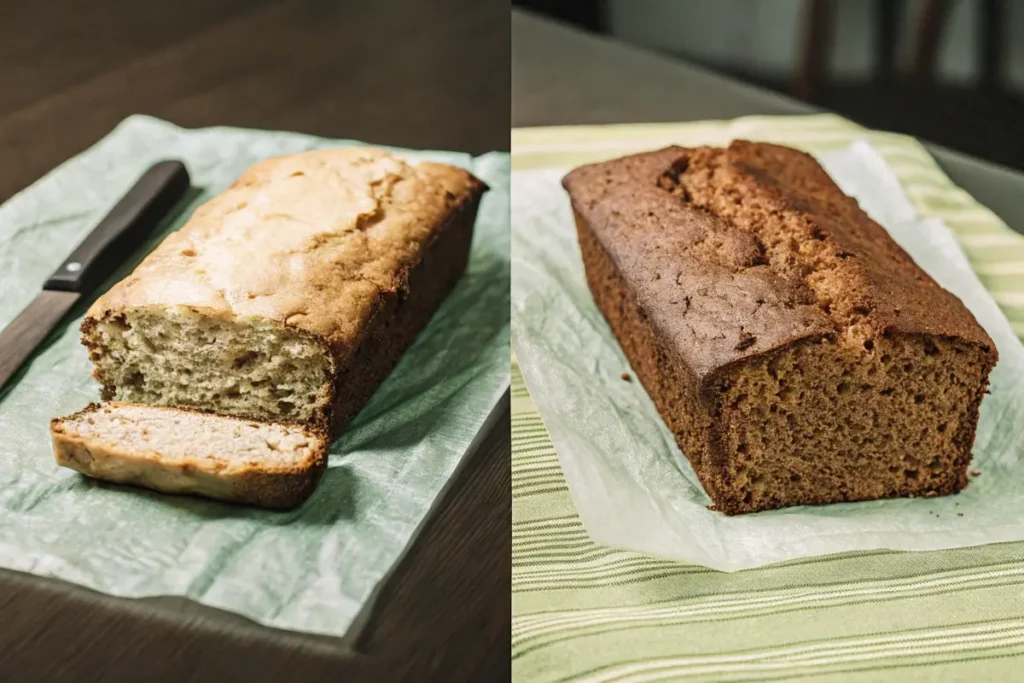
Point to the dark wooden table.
(564, 76)
(429, 74)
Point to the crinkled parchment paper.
(631, 484)
(312, 569)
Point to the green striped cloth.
(583, 611)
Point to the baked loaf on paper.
(181, 451)
(292, 295)
(798, 355)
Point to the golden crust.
(312, 241)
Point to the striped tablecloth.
(582, 611)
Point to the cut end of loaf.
(826, 421)
(179, 357)
(187, 452)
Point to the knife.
(108, 246)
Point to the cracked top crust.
(734, 252)
(310, 241)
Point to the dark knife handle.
(123, 230)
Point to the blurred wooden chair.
(926, 39)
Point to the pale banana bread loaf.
(292, 295)
(796, 352)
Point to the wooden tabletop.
(564, 76)
(428, 74)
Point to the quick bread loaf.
(796, 352)
(292, 295)
(268, 321)
(181, 451)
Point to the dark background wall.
(415, 73)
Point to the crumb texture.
(179, 436)
(179, 451)
(798, 354)
(175, 356)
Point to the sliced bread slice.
(182, 451)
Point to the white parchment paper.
(313, 569)
(632, 486)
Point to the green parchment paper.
(313, 569)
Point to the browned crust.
(405, 311)
(685, 392)
(281, 489)
(664, 242)
(676, 391)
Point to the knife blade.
(109, 245)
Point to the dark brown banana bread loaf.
(796, 352)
